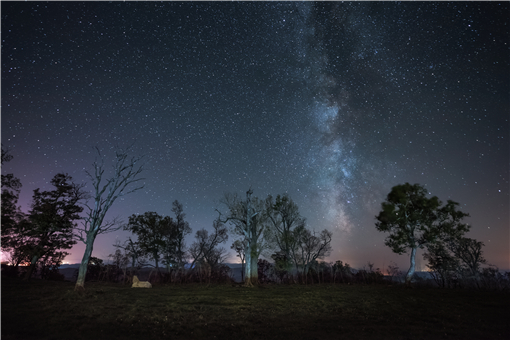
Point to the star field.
(333, 103)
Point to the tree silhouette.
(52, 219)
(283, 217)
(13, 239)
(153, 233)
(248, 219)
(414, 221)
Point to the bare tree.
(310, 246)
(120, 261)
(469, 251)
(126, 173)
(248, 218)
(205, 246)
(135, 253)
(454, 258)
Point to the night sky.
(332, 103)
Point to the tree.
(469, 252)
(455, 257)
(153, 233)
(176, 247)
(51, 219)
(205, 245)
(120, 261)
(283, 217)
(344, 270)
(414, 221)
(239, 247)
(442, 263)
(134, 253)
(309, 247)
(12, 217)
(248, 219)
(50, 263)
(125, 173)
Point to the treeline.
(270, 227)
(60, 217)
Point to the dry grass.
(52, 310)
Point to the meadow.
(42, 309)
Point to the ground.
(52, 310)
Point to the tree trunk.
(30, 271)
(410, 272)
(251, 274)
(247, 269)
(82, 272)
(242, 269)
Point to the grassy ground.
(52, 310)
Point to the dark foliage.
(265, 271)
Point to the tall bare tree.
(248, 219)
(124, 180)
(309, 247)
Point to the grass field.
(52, 310)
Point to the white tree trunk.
(82, 272)
(251, 274)
(410, 272)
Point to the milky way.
(333, 103)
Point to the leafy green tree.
(414, 221)
(52, 219)
(153, 233)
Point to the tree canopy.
(51, 221)
(413, 220)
